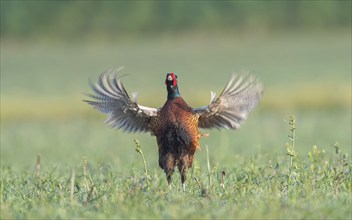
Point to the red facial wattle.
(174, 79)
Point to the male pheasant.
(176, 124)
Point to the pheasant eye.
(169, 77)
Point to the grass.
(58, 160)
(317, 186)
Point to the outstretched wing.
(123, 112)
(230, 109)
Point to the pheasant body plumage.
(177, 139)
(176, 124)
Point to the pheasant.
(176, 124)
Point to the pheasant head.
(171, 86)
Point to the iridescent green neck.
(172, 92)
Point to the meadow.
(59, 160)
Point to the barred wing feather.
(123, 112)
(230, 109)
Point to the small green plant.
(292, 137)
(342, 168)
(139, 150)
(291, 151)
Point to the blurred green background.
(301, 50)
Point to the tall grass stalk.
(208, 166)
(37, 167)
(291, 147)
(87, 181)
(292, 137)
(139, 150)
(222, 183)
(72, 186)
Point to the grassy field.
(87, 170)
